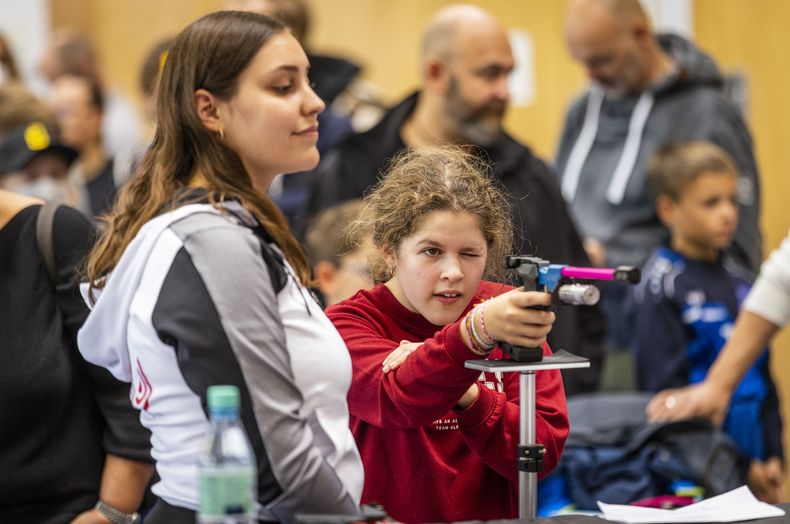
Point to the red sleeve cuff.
(454, 344)
(480, 410)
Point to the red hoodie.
(425, 461)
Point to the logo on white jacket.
(142, 393)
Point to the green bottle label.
(226, 491)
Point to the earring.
(221, 133)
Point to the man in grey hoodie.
(646, 91)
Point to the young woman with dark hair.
(198, 281)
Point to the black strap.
(272, 258)
(44, 223)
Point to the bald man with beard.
(465, 63)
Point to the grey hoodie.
(606, 145)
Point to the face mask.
(49, 189)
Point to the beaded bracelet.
(482, 307)
(485, 345)
(476, 347)
(478, 340)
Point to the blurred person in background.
(8, 69)
(34, 162)
(78, 103)
(339, 260)
(87, 458)
(690, 295)
(89, 446)
(33, 159)
(69, 53)
(647, 90)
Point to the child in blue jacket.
(691, 293)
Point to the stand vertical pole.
(527, 481)
(530, 454)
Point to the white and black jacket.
(194, 301)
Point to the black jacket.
(615, 456)
(540, 218)
(59, 415)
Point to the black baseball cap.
(29, 141)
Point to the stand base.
(559, 360)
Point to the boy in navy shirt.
(690, 295)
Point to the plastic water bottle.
(227, 472)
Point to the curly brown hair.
(430, 179)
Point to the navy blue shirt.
(684, 313)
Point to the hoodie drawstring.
(625, 165)
(573, 169)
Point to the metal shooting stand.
(530, 453)
(560, 280)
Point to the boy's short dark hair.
(327, 237)
(673, 167)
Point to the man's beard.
(480, 125)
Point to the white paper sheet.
(736, 505)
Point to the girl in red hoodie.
(438, 441)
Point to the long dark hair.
(211, 54)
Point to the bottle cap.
(223, 397)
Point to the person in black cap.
(34, 162)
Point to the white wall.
(25, 24)
(674, 16)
